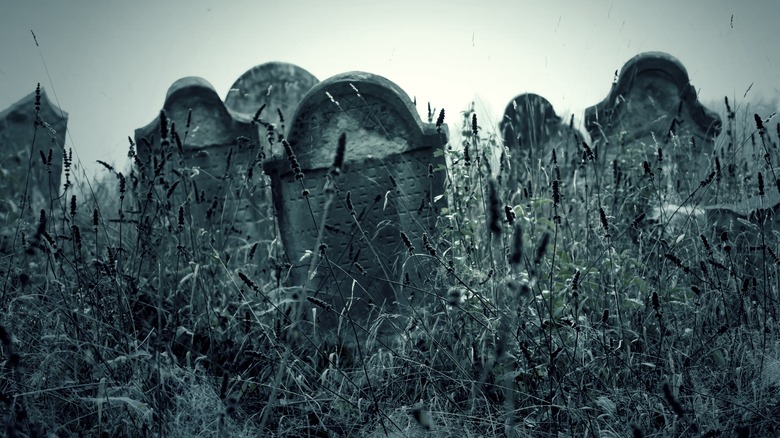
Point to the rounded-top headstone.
(653, 105)
(652, 89)
(278, 85)
(391, 169)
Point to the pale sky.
(110, 63)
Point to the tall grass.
(589, 299)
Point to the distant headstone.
(391, 172)
(17, 133)
(531, 131)
(218, 152)
(278, 85)
(652, 104)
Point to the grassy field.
(593, 301)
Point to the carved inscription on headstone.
(652, 104)
(216, 153)
(391, 175)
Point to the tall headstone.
(22, 141)
(391, 174)
(278, 85)
(652, 104)
(531, 131)
(217, 152)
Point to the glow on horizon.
(111, 64)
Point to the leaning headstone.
(348, 224)
(278, 85)
(531, 131)
(216, 166)
(653, 105)
(24, 136)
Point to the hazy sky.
(110, 63)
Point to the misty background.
(109, 64)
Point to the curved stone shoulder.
(50, 112)
(362, 105)
(212, 123)
(279, 85)
(662, 66)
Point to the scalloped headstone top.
(377, 115)
(212, 123)
(652, 94)
(278, 85)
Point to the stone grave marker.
(278, 85)
(531, 130)
(652, 104)
(390, 172)
(17, 131)
(218, 152)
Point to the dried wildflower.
(180, 224)
(556, 188)
(95, 218)
(707, 180)
(588, 153)
(541, 249)
(604, 223)
(350, 207)
(170, 190)
(647, 169)
(407, 242)
(466, 155)
(430, 170)
(428, 246)
(474, 127)
(655, 300)
(319, 303)
(251, 284)
(575, 281)
(760, 184)
(73, 205)
(43, 158)
(252, 251)
(516, 255)
(660, 155)
(37, 100)
(440, 120)
(605, 316)
(554, 159)
(509, 213)
(759, 124)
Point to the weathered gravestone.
(278, 85)
(20, 157)
(390, 175)
(652, 104)
(531, 131)
(217, 163)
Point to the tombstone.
(278, 85)
(388, 159)
(17, 133)
(531, 130)
(218, 152)
(743, 221)
(652, 104)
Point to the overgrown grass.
(606, 301)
